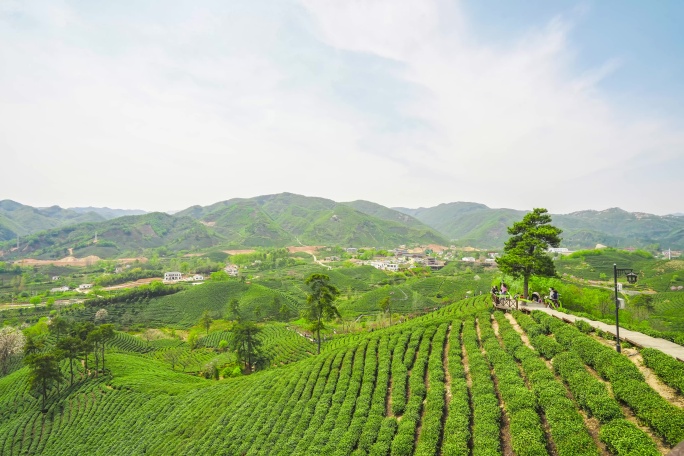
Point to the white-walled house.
(172, 276)
(198, 277)
(85, 286)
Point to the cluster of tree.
(153, 290)
(127, 276)
(244, 340)
(73, 342)
(265, 259)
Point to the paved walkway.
(633, 337)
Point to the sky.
(567, 105)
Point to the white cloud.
(507, 121)
(395, 102)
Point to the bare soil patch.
(239, 251)
(77, 262)
(137, 283)
(310, 249)
(668, 393)
(519, 330)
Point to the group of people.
(534, 297)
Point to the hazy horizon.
(175, 210)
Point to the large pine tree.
(525, 252)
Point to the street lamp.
(631, 278)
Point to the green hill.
(480, 226)
(20, 220)
(288, 219)
(121, 236)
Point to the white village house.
(172, 276)
(85, 286)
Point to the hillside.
(20, 220)
(455, 382)
(480, 226)
(288, 219)
(108, 213)
(123, 235)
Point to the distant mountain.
(20, 220)
(678, 214)
(480, 226)
(108, 213)
(385, 213)
(129, 235)
(289, 219)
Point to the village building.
(198, 277)
(85, 286)
(172, 276)
(231, 270)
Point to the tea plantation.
(460, 380)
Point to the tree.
(81, 330)
(43, 371)
(12, 342)
(257, 311)
(284, 312)
(386, 306)
(33, 345)
(71, 347)
(101, 315)
(173, 356)
(35, 301)
(320, 303)
(58, 326)
(92, 342)
(245, 343)
(525, 251)
(206, 320)
(234, 306)
(106, 333)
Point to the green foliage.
(668, 369)
(320, 303)
(625, 439)
(525, 251)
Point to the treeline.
(128, 276)
(143, 292)
(45, 345)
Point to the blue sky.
(157, 105)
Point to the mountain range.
(288, 219)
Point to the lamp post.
(631, 278)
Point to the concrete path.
(633, 337)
